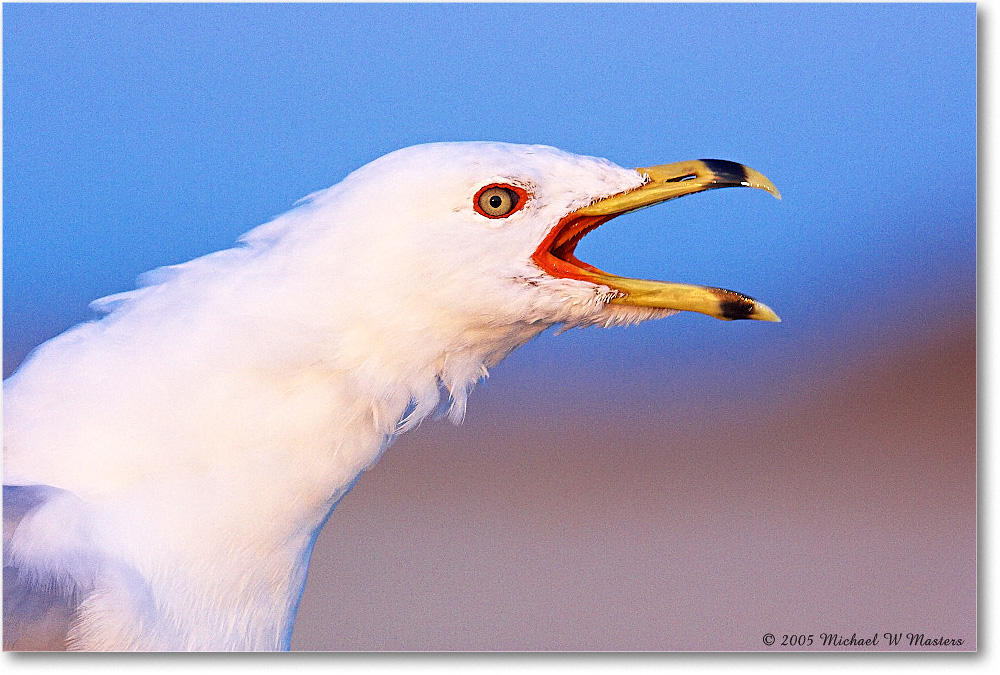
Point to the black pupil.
(496, 201)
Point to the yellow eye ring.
(499, 200)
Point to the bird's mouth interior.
(556, 254)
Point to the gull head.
(484, 235)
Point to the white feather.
(195, 438)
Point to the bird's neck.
(242, 490)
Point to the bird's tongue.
(556, 254)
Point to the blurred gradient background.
(685, 484)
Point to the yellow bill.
(664, 182)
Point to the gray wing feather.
(35, 617)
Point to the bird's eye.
(498, 201)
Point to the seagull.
(168, 467)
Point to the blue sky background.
(142, 135)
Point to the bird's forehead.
(458, 167)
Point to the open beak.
(666, 181)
